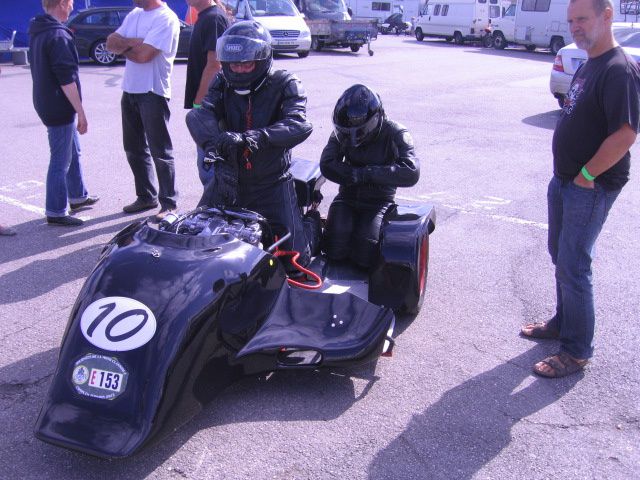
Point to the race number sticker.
(118, 324)
(98, 376)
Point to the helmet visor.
(356, 136)
(237, 48)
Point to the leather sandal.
(559, 365)
(539, 330)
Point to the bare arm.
(210, 70)
(610, 152)
(71, 92)
(141, 53)
(118, 44)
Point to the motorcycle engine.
(243, 226)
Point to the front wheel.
(556, 44)
(458, 39)
(303, 54)
(499, 42)
(101, 55)
(419, 34)
(355, 48)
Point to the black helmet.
(358, 116)
(245, 41)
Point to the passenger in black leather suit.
(249, 121)
(369, 156)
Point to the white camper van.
(457, 20)
(543, 23)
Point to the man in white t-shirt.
(148, 38)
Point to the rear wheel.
(303, 54)
(419, 34)
(458, 39)
(556, 44)
(355, 48)
(499, 42)
(422, 269)
(101, 55)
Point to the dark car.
(92, 26)
(395, 23)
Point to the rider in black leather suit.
(248, 123)
(369, 156)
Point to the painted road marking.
(482, 207)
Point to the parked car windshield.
(325, 6)
(627, 37)
(271, 8)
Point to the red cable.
(309, 273)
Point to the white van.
(543, 23)
(289, 32)
(457, 20)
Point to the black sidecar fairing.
(195, 287)
(221, 308)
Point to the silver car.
(569, 58)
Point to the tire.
(422, 271)
(101, 55)
(419, 34)
(499, 42)
(384, 31)
(458, 39)
(448, 39)
(355, 48)
(556, 44)
(304, 54)
(530, 48)
(316, 45)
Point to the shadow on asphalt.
(42, 276)
(279, 397)
(546, 120)
(471, 423)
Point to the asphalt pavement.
(458, 399)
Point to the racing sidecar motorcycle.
(173, 313)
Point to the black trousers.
(147, 144)
(353, 231)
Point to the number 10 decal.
(118, 324)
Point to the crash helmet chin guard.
(245, 41)
(357, 116)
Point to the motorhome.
(458, 20)
(382, 9)
(543, 23)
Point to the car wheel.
(530, 48)
(457, 38)
(422, 269)
(419, 35)
(355, 48)
(499, 42)
(101, 55)
(304, 54)
(316, 45)
(556, 44)
(448, 39)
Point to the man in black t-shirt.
(203, 64)
(597, 126)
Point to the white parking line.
(482, 206)
(32, 208)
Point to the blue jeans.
(205, 172)
(147, 144)
(576, 217)
(64, 177)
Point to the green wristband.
(586, 174)
(197, 105)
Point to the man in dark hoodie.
(57, 99)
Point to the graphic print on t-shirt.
(577, 87)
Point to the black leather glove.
(254, 140)
(229, 143)
(212, 156)
(359, 175)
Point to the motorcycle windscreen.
(311, 329)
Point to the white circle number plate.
(118, 324)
